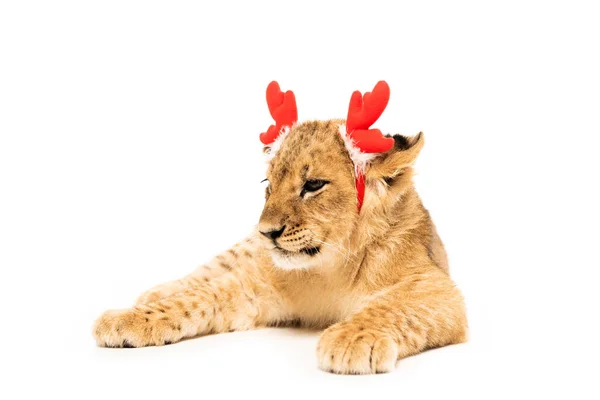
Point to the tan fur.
(379, 284)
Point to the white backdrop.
(129, 154)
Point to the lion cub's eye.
(312, 185)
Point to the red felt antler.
(362, 113)
(282, 107)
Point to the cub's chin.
(305, 258)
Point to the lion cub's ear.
(402, 155)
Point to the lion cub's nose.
(273, 234)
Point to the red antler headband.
(362, 143)
(282, 107)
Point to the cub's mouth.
(310, 251)
(301, 258)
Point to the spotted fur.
(377, 280)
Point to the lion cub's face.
(311, 203)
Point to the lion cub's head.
(312, 202)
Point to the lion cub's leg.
(239, 255)
(424, 311)
(233, 301)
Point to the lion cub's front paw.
(133, 328)
(347, 348)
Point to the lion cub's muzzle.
(292, 239)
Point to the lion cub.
(343, 243)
